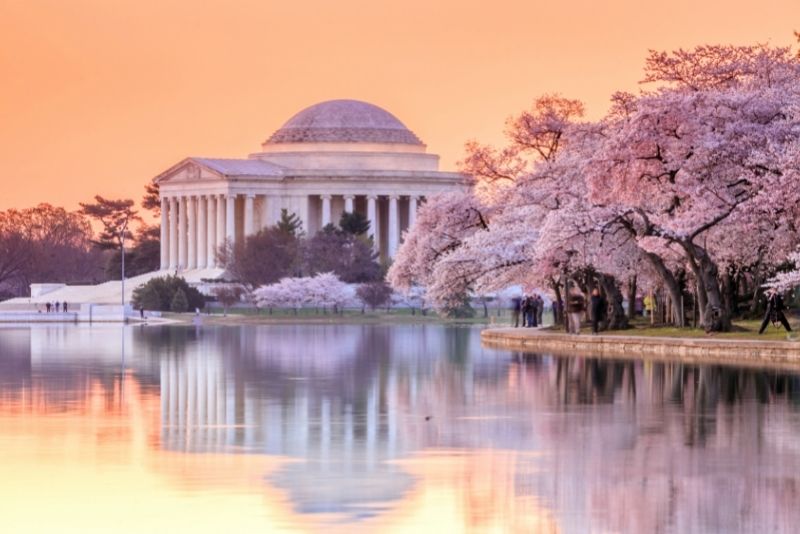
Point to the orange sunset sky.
(99, 96)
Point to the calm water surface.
(380, 429)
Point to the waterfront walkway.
(697, 350)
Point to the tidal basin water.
(351, 428)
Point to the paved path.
(739, 351)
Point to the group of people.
(530, 308)
(55, 307)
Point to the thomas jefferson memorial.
(335, 156)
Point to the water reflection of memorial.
(330, 395)
(622, 446)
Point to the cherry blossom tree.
(680, 178)
(788, 280)
(689, 157)
(323, 290)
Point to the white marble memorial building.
(341, 155)
(335, 156)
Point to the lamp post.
(122, 246)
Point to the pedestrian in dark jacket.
(775, 308)
(576, 305)
(534, 311)
(516, 308)
(527, 310)
(598, 308)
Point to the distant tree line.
(47, 243)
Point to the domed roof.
(344, 121)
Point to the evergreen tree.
(152, 199)
(354, 223)
(348, 256)
(290, 223)
(179, 302)
(159, 293)
(149, 298)
(113, 215)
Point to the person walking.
(540, 309)
(516, 307)
(58, 306)
(775, 308)
(535, 306)
(648, 305)
(576, 306)
(64, 306)
(598, 307)
(525, 306)
(47, 306)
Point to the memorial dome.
(344, 121)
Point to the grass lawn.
(742, 329)
(244, 316)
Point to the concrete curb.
(740, 352)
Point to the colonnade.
(193, 227)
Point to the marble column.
(230, 218)
(372, 216)
(349, 203)
(164, 233)
(302, 210)
(191, 203)
(326, 210)
(265, 210)
(220, 220)
(202, 235)
(249, 215)
(182, 233)
(173, 233)
(394, 227)
(211, 231)
(412, 210)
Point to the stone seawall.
(702, 350)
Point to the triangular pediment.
(188, 170)
(199, 169)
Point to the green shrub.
(179, 302)
(158, 294)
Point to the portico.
(334, 157)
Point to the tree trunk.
(617, 320)
(757, 289)
(716, 318)
(631, 297)
(728, 292)
(670, 282)
(702, 298)
(558, 308)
